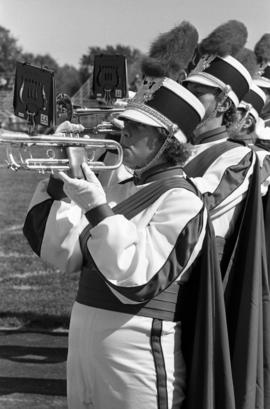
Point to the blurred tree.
(9, 53)
(67, 80)
(38, 60)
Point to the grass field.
(31, 293)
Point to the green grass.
(31, 293)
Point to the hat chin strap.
(138, 172)
(237, 127)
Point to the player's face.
(207, 95)
(140, 144)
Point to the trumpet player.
(133, 255)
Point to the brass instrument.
(64, 151)
(66, 111)
(35, 101)
(49, 153)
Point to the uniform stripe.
(161, 375)
(265, 169)
(141, 199)
(232, 178)
(35, 224)
(199, 165)
(171, 270)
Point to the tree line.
(68, 79)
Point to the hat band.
(152, 113)
(255, 100)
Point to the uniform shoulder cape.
(247, 303)
(247, 321)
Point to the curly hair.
(236, 131)
(230, 117)
(175, 153)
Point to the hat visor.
(209, 81)
(137, 116)
(199, 79)
(252, 110)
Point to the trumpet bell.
(49, 153)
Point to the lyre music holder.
(110, 77)
(34, 95)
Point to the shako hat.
(218, 67)
(226, 73)
(253, 101)
(162, 102)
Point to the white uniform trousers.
(122, 361)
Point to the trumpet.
(57, 152)
(34, 100)
(65, 110)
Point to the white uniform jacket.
(225, 182)
(146, 252)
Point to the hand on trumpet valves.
(118, 123)
(69, 127)
(88, 193)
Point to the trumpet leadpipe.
(57, 150)
(77, 112)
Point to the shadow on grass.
(30, 320)
(54, 387)
(35, 366)
(33, 355)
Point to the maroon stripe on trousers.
(162, 394)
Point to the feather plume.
(247, 57)
(226, 39)
(152, 67)
(172, 51)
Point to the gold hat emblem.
(147, 89)
(203, 63)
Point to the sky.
(67, 28)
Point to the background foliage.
(68, 79)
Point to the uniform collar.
(157, 173)
(213, 135)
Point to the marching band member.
(248, 116)
(245, 130)
(124, 337)
(220, 168)
(263, 81)
(220, 87)
(262, 51)
(229, 174)
(169, 55)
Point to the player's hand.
(87, 193)
(69, 127)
